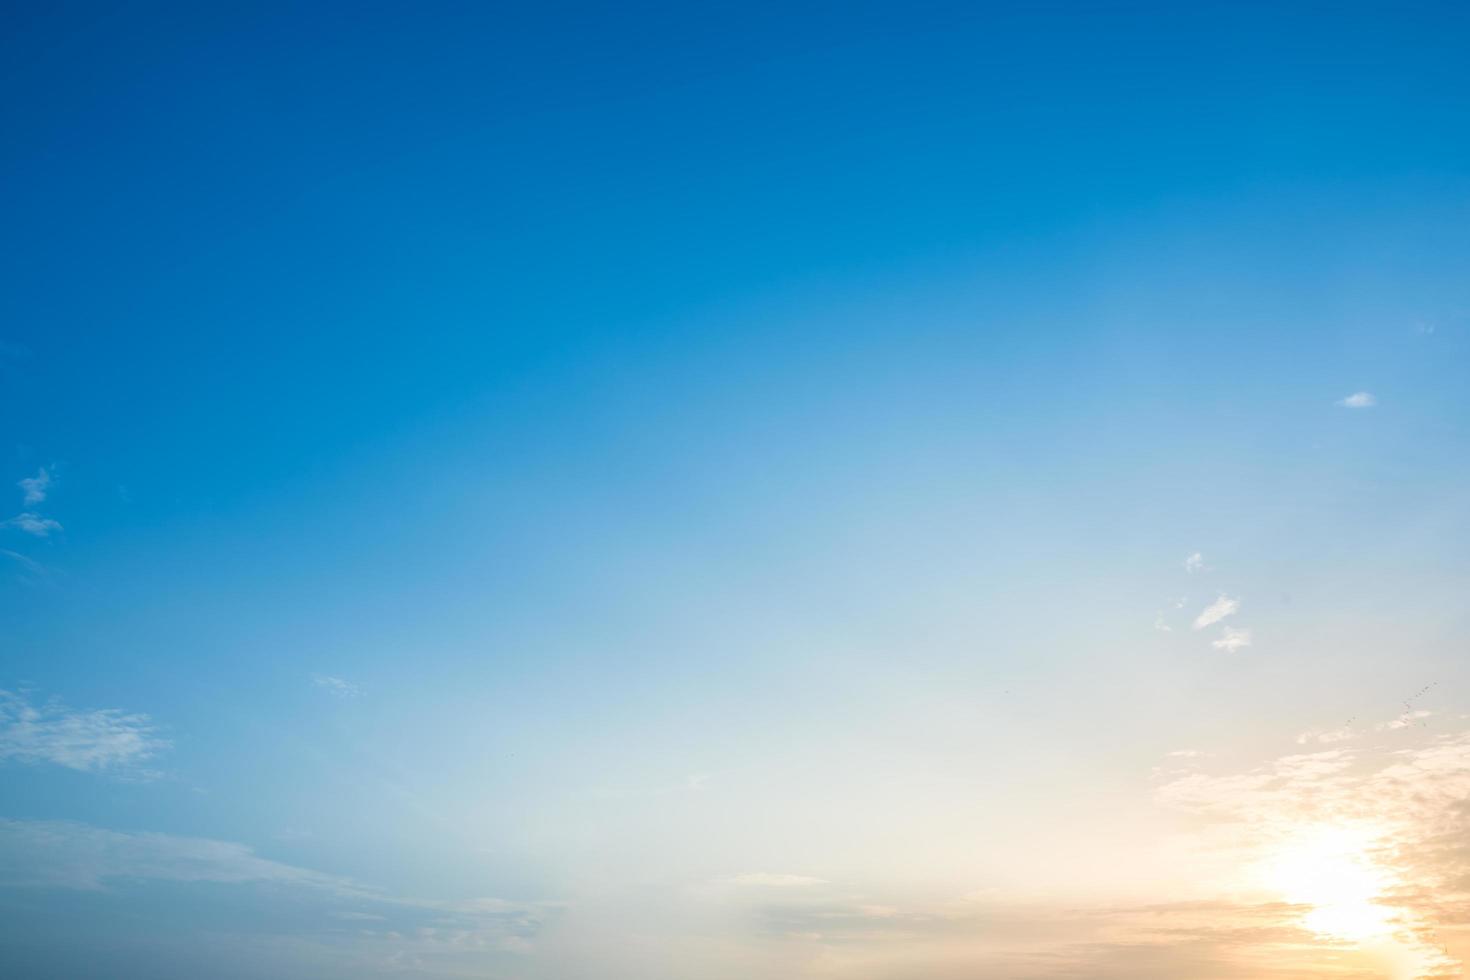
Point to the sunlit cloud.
(1194, 563)
(1358, 399)
(1216, 611)
(34, 487)
(1407, 720)
(89, 741)
(32, 523)
(1364, 841)
(1327, 736)
(1232, 640)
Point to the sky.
(724, 491)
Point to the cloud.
(764, 879)
(1358, 399)
(1383, 826)
(35, 487)
(1216, 611)
(82, 857)
(1194, 563)
(87, 741)
(1162, 626)
(1327, 736)
(32, 523)
(336, 686)
(31, 567)
(63, 854)
(1232, 639)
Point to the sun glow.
(1333, 870)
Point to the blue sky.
(713, 491)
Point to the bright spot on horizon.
(1333, 870)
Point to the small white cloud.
(1216, 611)
(1358, 399)
(88, 741)
(1326, 736)
(336, 686)
(1232, 639)
(1162, 626)
(1407, 720)
(1194, 563)
(764, 879)
(35, 487)
(32, 524)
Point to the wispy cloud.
(1406, 720)
(1216, 611)
(765, 879)
(1327, 736)
(1358, 399)
(1162, 626)
(99, 740)
(69, 855)
(1232, 639)
(35, 487)
(32, 523)
(1194, 563)
(336, 686)
(32, 569)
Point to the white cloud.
(35, 487)
(1358, 399)
(32, 524)
(88, 741)
(336, 685)
(764, 879)
(1319, 736)
(1194, 563)
(1162, 626)
(1406, 720)
(1216, 611)
(1232, 639)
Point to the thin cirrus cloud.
(35, 487)
(1216, 611)
(33, 523)
(98, 740)
(336, 686)
(1358, 399)
(59, 854)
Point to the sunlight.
(1332, 870)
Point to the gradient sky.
(725, 491)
